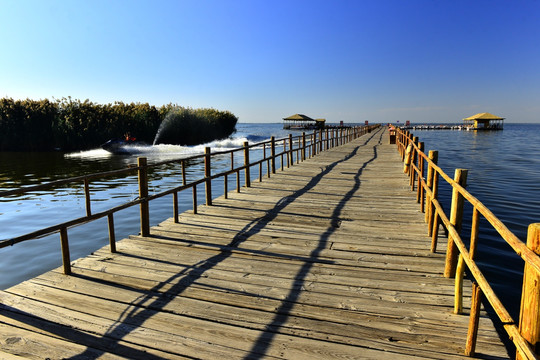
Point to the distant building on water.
(301, 121)
(484, 121)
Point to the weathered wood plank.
(312, 263)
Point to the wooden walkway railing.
(320, 261)
(289, 150)
(525, 334)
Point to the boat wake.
(164, 151)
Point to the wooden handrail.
(521, 338)
(64, 226)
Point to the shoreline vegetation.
(69, 125)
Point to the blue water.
(504, 173)
(22, 214)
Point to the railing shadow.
(262, 344)
(138, 317)
(154, 299)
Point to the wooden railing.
(289, 150)
(525, 334)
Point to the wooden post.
(435, 191)
(458, 286)
(474, 318)
(87, 197)
(303, 146)
(175, 206)
(408, 157)
(112, 236)
(65, 250)
(460, 270)
(184, 172)
(268, 168)
(327, 140)
(433, 156)
(434, 232)
(246, 164)
(314, 144)
(291, 149)
(420, 187)
(273, 154)
(225, 186)
(529, 317)
(456, 216)
(208, 175)
(143, 194)
(475, 225)
(194, 199)
(414, 156)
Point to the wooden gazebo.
(299, 121)
(484, 121)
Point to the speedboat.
(118, 146)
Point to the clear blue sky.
(377, 60)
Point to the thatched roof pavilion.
(299, 121)
(485, 121)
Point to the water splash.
(164, 125)
(163, 151)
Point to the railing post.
(433, 156)
(420, 187)
(314, 144)
(195, 199)
(65, 251)
(143, 194)
(529, 317)
(291, 149)
(303, 146)
(184, 172)
(327, 140)
(208, 175)
(460, 270)
(458, 285)
(273, 154)
(87, 197)
(286, 152)
(112, 236)
(474, 319)
(246, 164)
(175, 206)
(407, 159)
(225, 187)
(414, 157)
(456, 217)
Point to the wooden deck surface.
(326, 259)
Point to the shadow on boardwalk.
(152, 301)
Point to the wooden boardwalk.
(327, 259)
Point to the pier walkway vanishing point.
(329, 258)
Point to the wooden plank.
(312, 263)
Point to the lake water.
(504, 173)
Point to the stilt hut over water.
(320, 123)
(484, 121)
(299, 121)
